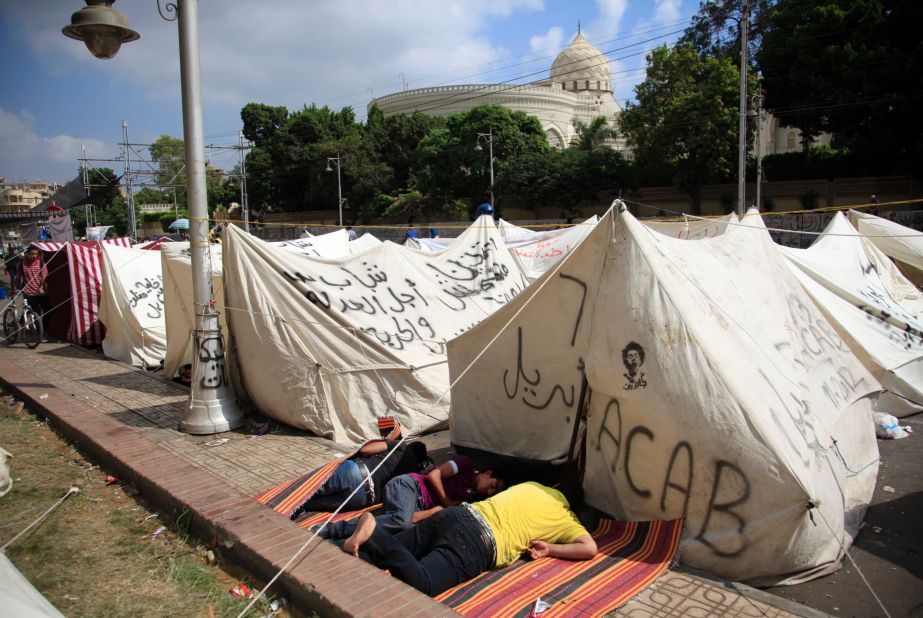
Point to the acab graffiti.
(723, 481)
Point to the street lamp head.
(329, 169)
(477, 146)
(101, 28)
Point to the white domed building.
(580, 86)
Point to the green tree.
(715, 29)
(686, 116)
(262, 121)
(396, 138)
(592, 135)
(449, 166)
(170, 156)
(108, 205)
(850, 67)
(568, 179)
(147, 195)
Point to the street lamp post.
(489, 139)
(336, 161)
(211, 407)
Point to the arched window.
(597, 84)
(575, 84)
(587, 84)
(791, 141)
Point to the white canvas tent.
(536, 252)
(131, 305)
(843, 274)
(902, 244)
(331, 345)
(693, 228)
(707, 397)
(179, 316)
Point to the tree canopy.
(686, 117)
(853, 68)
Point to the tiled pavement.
(126, 419)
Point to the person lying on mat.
(410, 498)
(460, 542)
(355, 473)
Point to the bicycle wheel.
(10, 325)
(32, 330)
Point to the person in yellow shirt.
(460, 542)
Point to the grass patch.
(97, 554)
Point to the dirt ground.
(888, 550)
(103, 551)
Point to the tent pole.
(579, 415)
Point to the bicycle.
(21, 318)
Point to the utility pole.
(88, 208)
(129, 196)
(758, 109)
(243, 185)
(742, 143)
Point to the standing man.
(12, 264)
(31, 280)
(460, 542)
(411, 233)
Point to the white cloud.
(286, 52)
(26, 155)
(549, 41)
(667, 10)
(607, 24)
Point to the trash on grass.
(111, 480)
(241, 591)
(277, 604)
(158, 532)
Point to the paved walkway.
(126, 418)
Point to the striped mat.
(631, 555)
(286, 497)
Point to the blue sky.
(57, 97)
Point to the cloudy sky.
(56, 97)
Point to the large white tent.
(855, 285)
(693, 228)
(710, 396)
(902, 244)
(534, 252)
(177, 280)
(131, 305)
(331, 345)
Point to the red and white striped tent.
(74, 282)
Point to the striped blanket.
(631, 556)
(287, 497)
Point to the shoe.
(321, 530)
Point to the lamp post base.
(209, 416)
(212, 407)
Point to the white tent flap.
(131, 305)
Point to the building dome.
(581, 67)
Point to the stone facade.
(579, 87)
